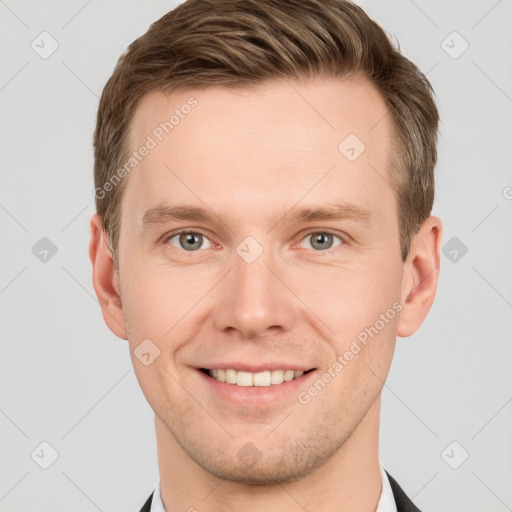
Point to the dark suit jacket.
(403, 503)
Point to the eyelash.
(311, 232)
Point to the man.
(264, 176)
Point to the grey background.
(67, 380)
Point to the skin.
(251, 155)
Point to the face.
(254, 245)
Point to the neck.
(350, 479)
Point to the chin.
(280, 465)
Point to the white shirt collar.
(156, 502)
(386, 501)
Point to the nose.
(253, 299)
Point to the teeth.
(231, 376)
(289, 375)
(277, 377)
(265, 378)
(261, 379)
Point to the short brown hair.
(239, 43)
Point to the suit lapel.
(147, 506)
(403, 503)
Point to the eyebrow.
(163, 214)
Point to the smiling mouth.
(247, 379)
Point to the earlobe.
(421, 273)
(105, 278)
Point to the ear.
(421, 272)
(105, 279)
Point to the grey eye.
(321, 240)
(189, 241)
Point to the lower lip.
(257, 396)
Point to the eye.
(322, 240)
(190, 241)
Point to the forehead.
(261, 144)
(327, 108)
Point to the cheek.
(346, 300)
(157, 297)
(361, 309)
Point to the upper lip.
(255, 368)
